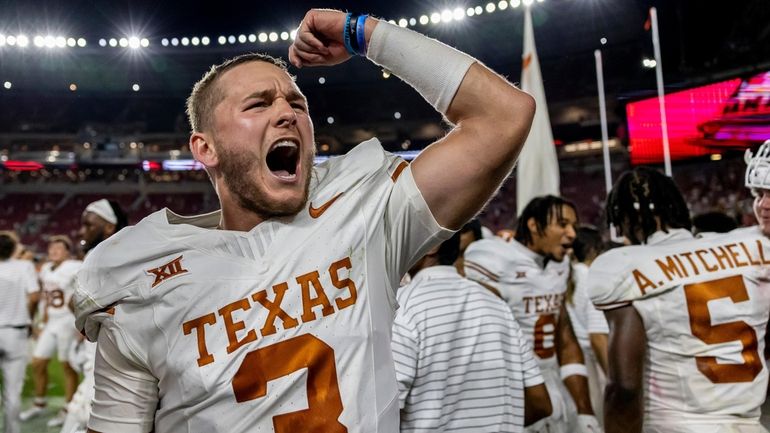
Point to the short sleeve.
(597, 323)
(483, 263)
(29, 278)
(609, 283)
(405, 345)
(125, 393)
(410, 226)
(530, 369)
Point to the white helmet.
(758, 167)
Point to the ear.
(109, 229)
(532, 226)
(203, 150)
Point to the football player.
(57, 278)
(275, 313)
(530, 272)
(687, 315)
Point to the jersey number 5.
(280, 359)
(698, 295)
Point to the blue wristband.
(346, 35)
(360, 34)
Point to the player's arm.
(623, 409)
(599, 345)
(573, 364)
(125, 393)
(457, 174)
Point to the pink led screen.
(703, 120)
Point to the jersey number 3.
(280, 359)
(698, 295)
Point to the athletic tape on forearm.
(573, 370)
(434, 69)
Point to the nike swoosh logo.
(317, 212)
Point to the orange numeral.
(280, 359)
(544, 338)
(698, 295)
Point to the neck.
(234, 216)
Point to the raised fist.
(319, 40)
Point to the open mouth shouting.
(283, 159)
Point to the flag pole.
(603, 117)
(661, 98)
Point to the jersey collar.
(540, 260)
(434, 272)
(673, 235)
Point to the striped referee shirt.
(461, 360)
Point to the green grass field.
(55, 399)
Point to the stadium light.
(134, 42)
(144, 42)
(458, 14)
(195, 41)
(321, 80)
(71, 42)
(470, 12)
(185, 41)
(435, 17)
(446, 15)
(2, 40)
(515, 3)
(330, 120)
(284, 36)
(424, 19)
(7, 85)
(22, 41)
(412, 22)
(479, 10)
(73, 87)
(11, 40)
(135, 87)
(123, 42)
(293, 35)
(242, 39)
(205, 40)
(490, 7)
(263, 37)
(222, 40)
(273, 36)
(502, 5)
(231, 39)
(252, 38)
(61, 41)
(38, 41)
(527, 2)
(82, 42)
(174, 41)
(164, 42)
(603, 41)
(397, 115)
(403, 22)
(102, 42)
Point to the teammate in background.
(589, 324)
(18, 281)
(471, 232)
(531, 273)
(687, 316)
(57, 278)
(289, 290)
(462, 363)
(713, 222)
(100, 220)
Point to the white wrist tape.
(568, 370)
(434, 69)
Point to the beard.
(237, 172)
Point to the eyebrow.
(291, 96)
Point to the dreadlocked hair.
(641, 195)
(543, 209)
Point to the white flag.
(537, 171)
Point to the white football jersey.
(284, 328)
(533, 288)
(58, 287)
(705, 305)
